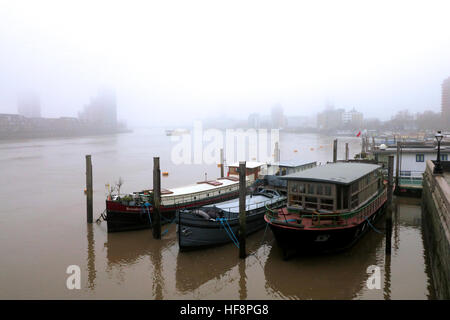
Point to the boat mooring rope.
(230, 232)
(102, 217)
(375, 229)
(145, 209)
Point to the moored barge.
(329, 207)
(134, 211)
(218, 224)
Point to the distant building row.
(332, 119)
(98, 117)
(102, 110)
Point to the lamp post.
(438, 165)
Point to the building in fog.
(254, 121)
(277, 117)
(330, 119)
(352, 119)
(300, 122)
(28, 105)
(334, 119)
(102, 110)
(445, 103)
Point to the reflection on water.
(333, 276)
(43, 230)
(91, 257)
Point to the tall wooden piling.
(397, 165)
(89, 190)
(242, 213)
(276, 153)
(390, 180)
(156, 222)
(362, 145)
(346, 151)
(389, 206)
(221, 163)
(335, 150)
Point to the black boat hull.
(197, 233)
(120, 221)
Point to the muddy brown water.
(43, 230)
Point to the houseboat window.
(444, 157)
(319, 189)
(420, 157)
(355, 187)
(301, 188)
(328, 190)
(311, 202)
(296, 200)
(355, 201)
(326, 204)
(310, 188)
(293, 187)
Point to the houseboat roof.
(393, 150)
(199, 187)
(337, 173)
(291, 163)
(249, 164)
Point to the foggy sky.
(182, 60)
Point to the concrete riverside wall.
(436, 219)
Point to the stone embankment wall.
(436, 219)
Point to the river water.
(43, 230)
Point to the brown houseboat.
(329, 207)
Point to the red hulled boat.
(329, 207)
(134, 211)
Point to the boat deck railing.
(232, 211)
(413, 178)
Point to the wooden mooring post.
(389, 206)
(221, 163)
(156, 227)
(346, 151)
(276, 153)
(335, 150)
(390, 180)
(242, 213)
(89, 191)
(397, 166)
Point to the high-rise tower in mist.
(445, 103)
(102, 110)
(28, 105)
